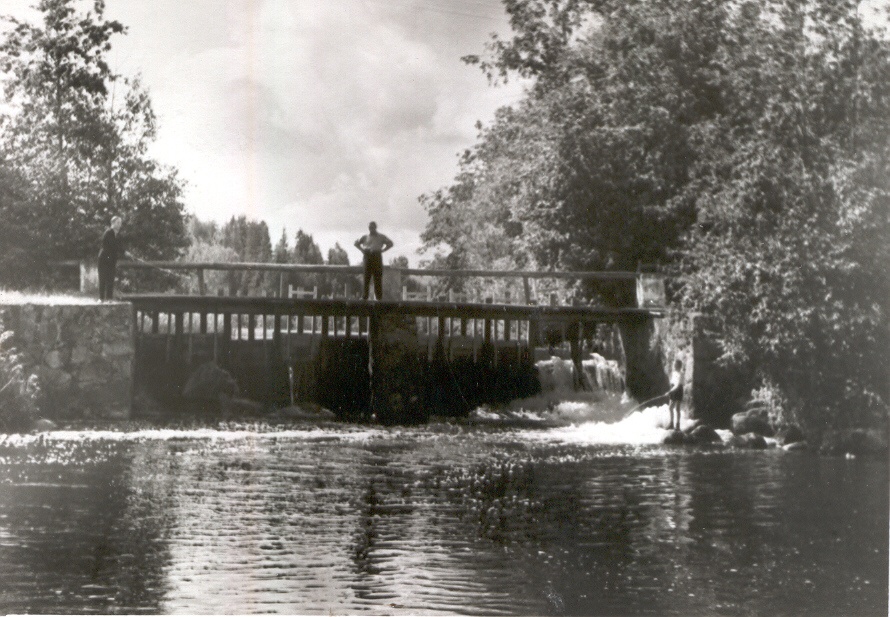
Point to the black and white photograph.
(445, 307)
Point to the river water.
(582, 518)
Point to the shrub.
(19, 391)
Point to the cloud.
(318, 115)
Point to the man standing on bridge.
(108, 254)
(373, 245)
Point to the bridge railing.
(401, 283)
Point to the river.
(583, 518)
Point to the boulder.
(789, 434)
(210, 383)
(674, 438)
(753, 421)
(751, 441)
(703, 434)
(857, 441)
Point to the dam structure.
(397, 360)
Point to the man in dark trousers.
(108, 254)
(373, 245)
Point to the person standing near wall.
(108, 254)
(373, 245)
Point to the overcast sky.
(312, 114)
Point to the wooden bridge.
(306, 347)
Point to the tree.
(14, 258)
(281, 252)
(77, 136)
(305, 251)
(250, 241)
(793, 205)
(206, 245)
(585, 171)
(742, 145)
(339, 284)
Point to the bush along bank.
(19, 390)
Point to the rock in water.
(210, 383)
(753, 421)
(674, 438)
(856, 441)
(789, 434)
(748, 440)
(703, 434)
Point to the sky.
(318, 115)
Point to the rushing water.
(442, 519)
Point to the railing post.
(487, 336)
(201, 290)
(227, 326)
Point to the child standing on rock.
(675, 394)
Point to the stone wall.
(81, 351)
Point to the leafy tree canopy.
(75, 138)
(743, 145)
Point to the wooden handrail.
(614, 275)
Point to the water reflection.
(433, 520)
(83, 530)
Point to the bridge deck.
(181, 312)
(340, 307)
